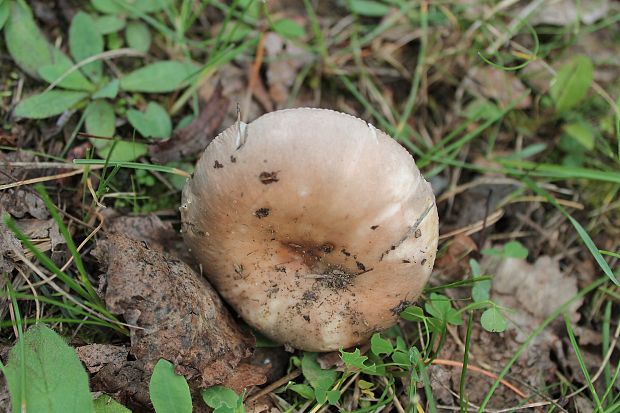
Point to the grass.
(416, 92)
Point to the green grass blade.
(77, 258)
(582, 363)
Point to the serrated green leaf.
(109, 23)
(26, 44)
(355, 359)
(481, 290)
(100, 120)
(320, 379)
(413, 313)
(582, 133)
(492, 320)
(138, 36)
(369, 8)
(106, 404)
(109, 90)
(379, 345)
(5, 10)
(169, 391)
(159, 77)
(48, 104)
(152, 123)
(571, 83)
(289, 28)
(73, 81)
(55, 380)
(85, 41)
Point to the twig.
(278, 383)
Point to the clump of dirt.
(177, 316)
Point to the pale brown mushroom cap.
(315, 226)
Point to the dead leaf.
(567, 12)
(244, 375)
(19, 202)
(496, 84)
(285, 61)
(195, 137)
(181, 317)
(536, 289)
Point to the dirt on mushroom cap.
(320, 227)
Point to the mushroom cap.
(315, 226)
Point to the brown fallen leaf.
(181, 318)
(535, 290)
(285, 61)
(193, 138)
(496, 84)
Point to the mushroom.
(315, 226)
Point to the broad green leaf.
(441, 308)
(138, 36)
(26, 44)
(401, 358)
(289, 28)
(413, 313)
(73, 81)
(571, 83)
(86, 41)
(106, 404)
(114, 41)
(492, 320)
(124, 151)
(513, 249)
(475, 268)
(481, 290)
(100, 120)
(159, 77)
(169, 392)
(48, 104)
(124, 6)
(369, 8)
(107, 6)
(109, 90)
(109, 23)
(379, 345)
(5, 10)
(222, 399)
(303, 390)
(582, 133)
(333, 396)
(320, 379)
(54, 379)
(152, 123)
